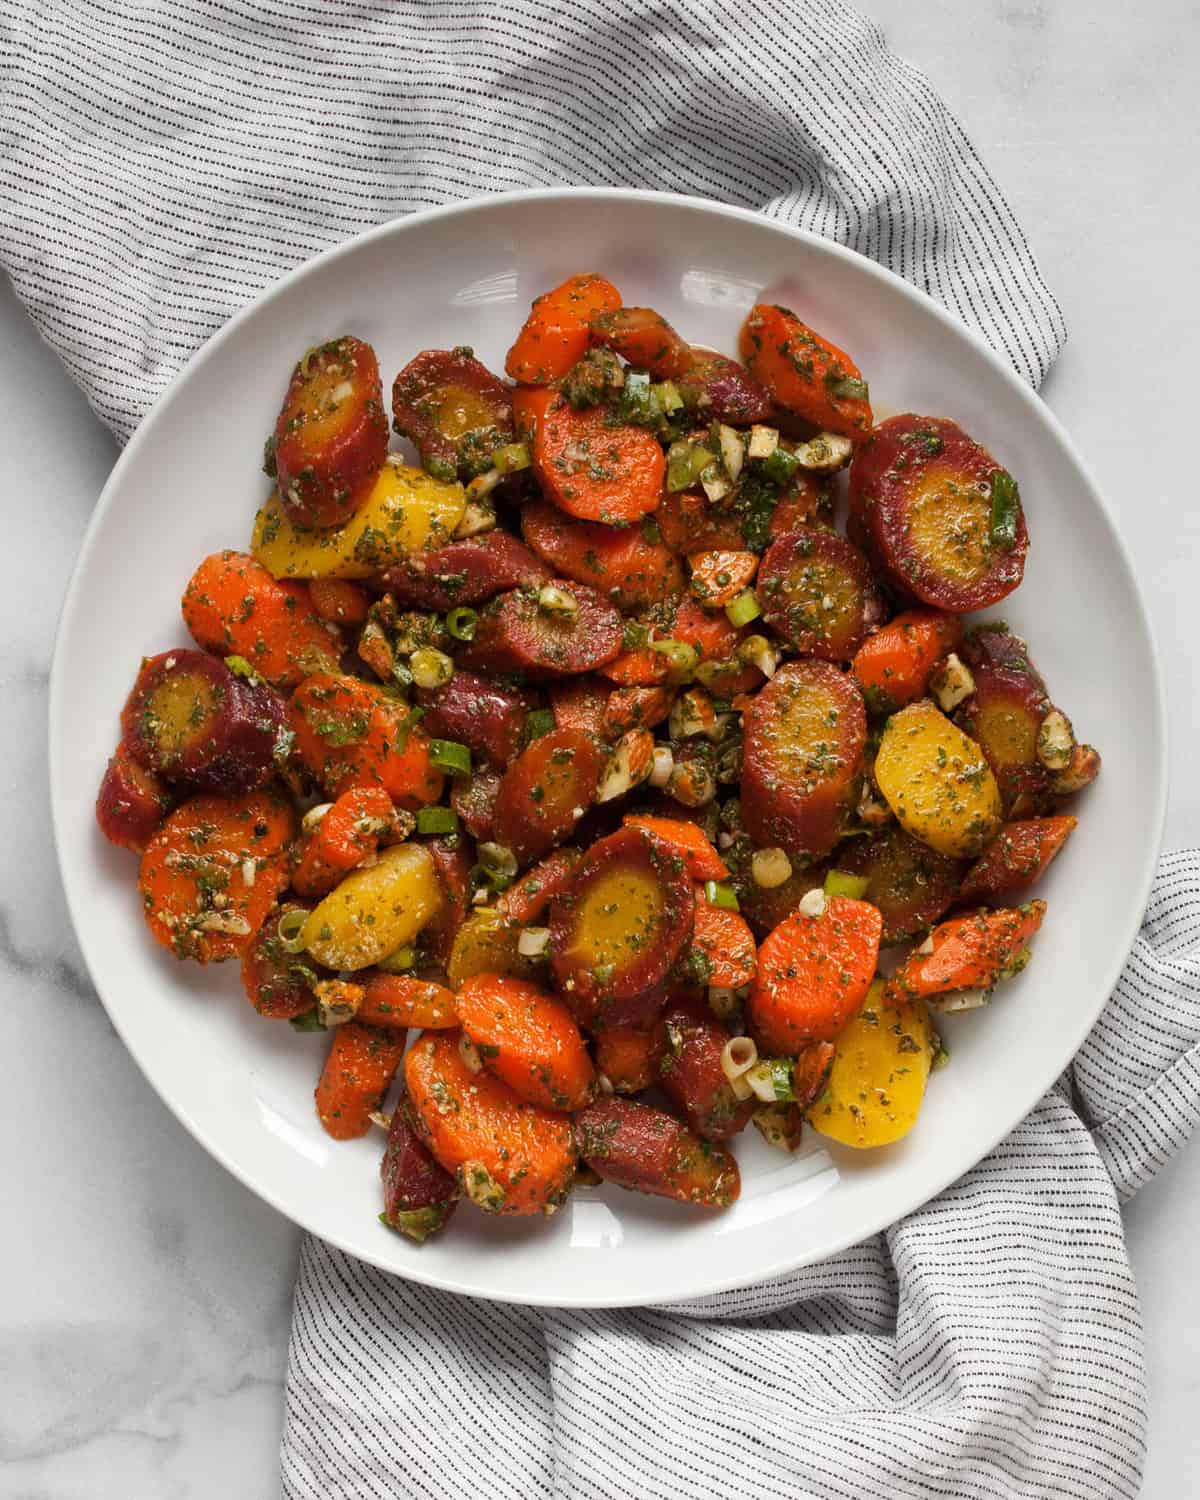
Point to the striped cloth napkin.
(163, 160)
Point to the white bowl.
(188, 484)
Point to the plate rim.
(399, 225)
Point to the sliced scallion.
(291, 931)
(720, 893)
(399, 961)
(462, 623)
(437, 820)
(449, 755)
(1006, 510)
(744, 608)
(839, 883)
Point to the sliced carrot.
(530, 896)
(358, 1072)
(529, 1039)
(510, 1157)
(628, 1057)
(893, 665)
(1019, 856)
(211, 873)
(624, 564)
(350, 734)
(690, 524)
(233, 607)
(644, 339)
(580, 703)
(725, 944)
(529, 403)
(596, 471)
(637, 708)
(339, 601)
(397, 1000)
(806, 374)
(970, 953)
(807, 500)
(718, 577)
(814, 973)
(639, 668)
(556, 332)
(345, 836)
(685, 841)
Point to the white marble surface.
(143, 1293)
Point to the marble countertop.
(144, 1295)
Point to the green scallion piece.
(462, 623)
(685, 464)
(782, 1073)
(781, 466)
(449, 755)
(682, 657)
(839, 883)
(846, 388)
(291, 931)
(744, 608)
(399, 961)
(511, 457)
(1006, 510)
(437, 820)
(309, 1021)
(720, 893)
(240, 667)
(667, 397)
(538, 721)
(635, 396)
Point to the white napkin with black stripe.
(163, 160)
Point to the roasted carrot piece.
(725, 943)
(510, 1157)
(338, 601)
(350, 734)
(212, 871)
(530, 896)
(628, 1057)
(689, 524)
(718, 577)
(893, 665)
(624, 564)
(132, 802)
(636, 708)
(233, 606)
(331, 436)
(644, 339)
(556, 332)
(972, 952)
(683, 840)
(1019, 856)
(529, 403)
(649, 1151)
(358, 1072)
(805, 373)
(814, 973)
(638, 668)
(527, 1038)
(345, 836)
(595, 471)
(398, 1000)
(580, 703)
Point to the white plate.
(189, 482)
